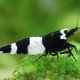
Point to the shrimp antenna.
(77, 22)
(77, 12)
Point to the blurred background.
(24, 18)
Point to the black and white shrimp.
(53, 43)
